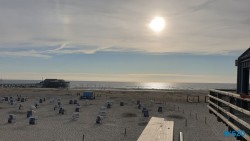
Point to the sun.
(157, 24)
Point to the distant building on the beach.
(54, 83)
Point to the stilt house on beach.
(54, 83)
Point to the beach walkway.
(158, 129)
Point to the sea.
(134, 85)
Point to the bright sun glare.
(157, 24)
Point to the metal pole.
(181, 136)
(125, 133)
(82, 137)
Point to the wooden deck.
(158, 129)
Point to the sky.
(110, 40)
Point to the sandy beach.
(52, 126)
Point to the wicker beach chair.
(61, 111)
(76, 116)
(99, 119)
(12, 118)
(33, 120)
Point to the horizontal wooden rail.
(231, 115)
(230, 94)
(247, 137)
(231, 105)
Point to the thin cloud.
(23, 54)
(205, 27)
(61, 47)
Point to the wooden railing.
(224, 106)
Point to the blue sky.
(111, 41)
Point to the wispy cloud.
(30, 53)
(200, 27)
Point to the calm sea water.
(136, 85)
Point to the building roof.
(245, 55)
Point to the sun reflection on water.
(156, 85)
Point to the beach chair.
(108, 105)
(75, 101)
(36, 105)
(144, 109)
(33, 120)
(146, 113)
(159, 109)
(139, 106)
(29, 113)
(77, 109)
(59, 103)
(12, 118)
(6, 98)
(40, 100)
(99, 119)
(12, 102)
(22, 99)
(61, 111)
(76, 116)
(56, 107)
(71, 101)
(138, 102)
(20, 107)
(121, 104)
